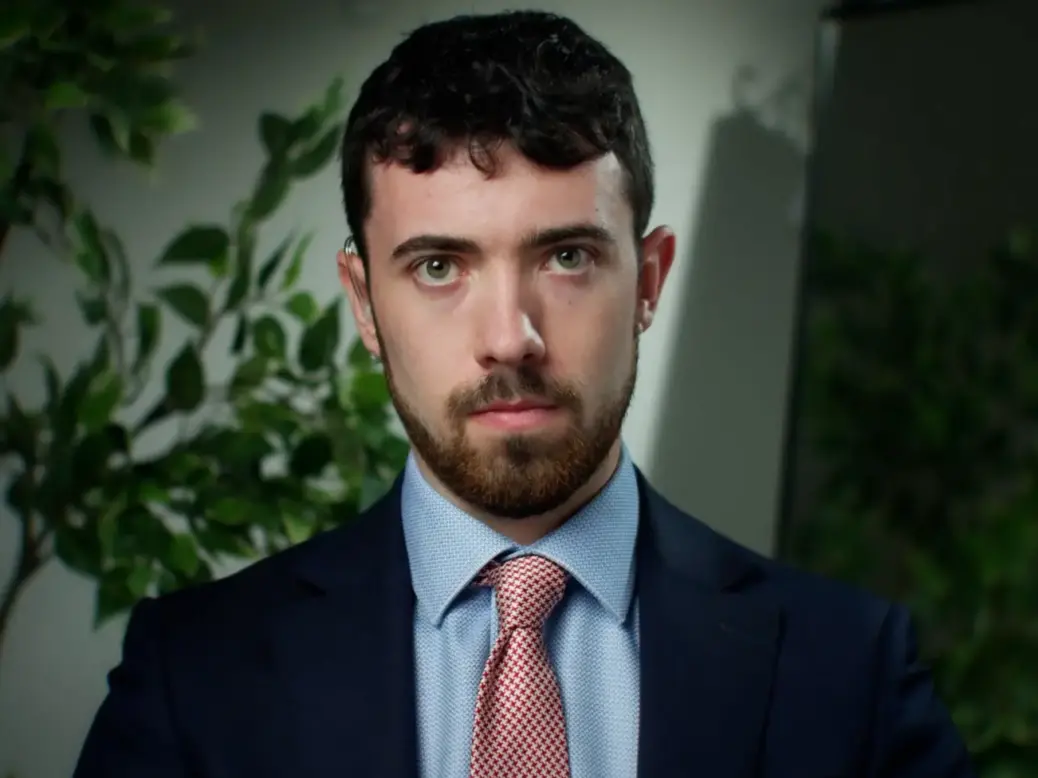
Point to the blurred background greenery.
(917, 466)
(141, 473)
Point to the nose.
(508, 330)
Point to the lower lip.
(527, 418)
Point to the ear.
(353, 277)
(657, 257)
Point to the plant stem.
(22, 176)
(29, 561)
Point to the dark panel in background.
(927, 138)
(911, 466)
(930, 131)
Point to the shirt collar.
(447, 548)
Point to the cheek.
(596, 339)
(422, 355)
(616, 357)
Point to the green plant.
(144, 475)
(920, 403)
(103, 61)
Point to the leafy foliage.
(920, 408)
(297, 439)
(106, 61)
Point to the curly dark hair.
(527, 78)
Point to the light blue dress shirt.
(592, 635)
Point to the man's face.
(507, 310)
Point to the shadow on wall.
(729, 370)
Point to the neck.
(530, 529)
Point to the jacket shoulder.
(812, 605)
(251, 591)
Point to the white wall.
(706, 421)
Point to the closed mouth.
(515, 406)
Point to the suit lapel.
(708, 648)
(344, 640)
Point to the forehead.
(518, 197)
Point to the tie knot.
(527, 589)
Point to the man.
(522, 603)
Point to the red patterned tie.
(520, 730)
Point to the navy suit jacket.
(302, 666)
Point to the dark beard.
(528, 475)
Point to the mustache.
(526, 383)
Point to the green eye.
(570, 259)
(436, 270)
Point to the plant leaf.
(295, 266)
(91, 256)
(120, 263)
(231, 511)
(185, 380)
(188, 301)
(311, 456)
(273, 262)
(332, 102)
(320, 341)
(10, 333)
(317, 156)
(241, 335)
(297, 528)
(112, 133)
(43, 149)
(67, 416)
(270, 191)
(183, 555)
(114, 594)
(240, 284)
(141, 148)
(65, 94)
(103, 397)
(303, 306)
(249, 374)
(20, 432)
(14, 26)
(79, 548)
(201, 244)
(369, 391)
(94, 309)
(359, 357)
(56, 194)
(276, 133)
(52, 381)
(305, 127)
(149, 324)
(173, 117)
(268, 336)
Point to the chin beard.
(521, 475)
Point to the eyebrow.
(539, 239)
